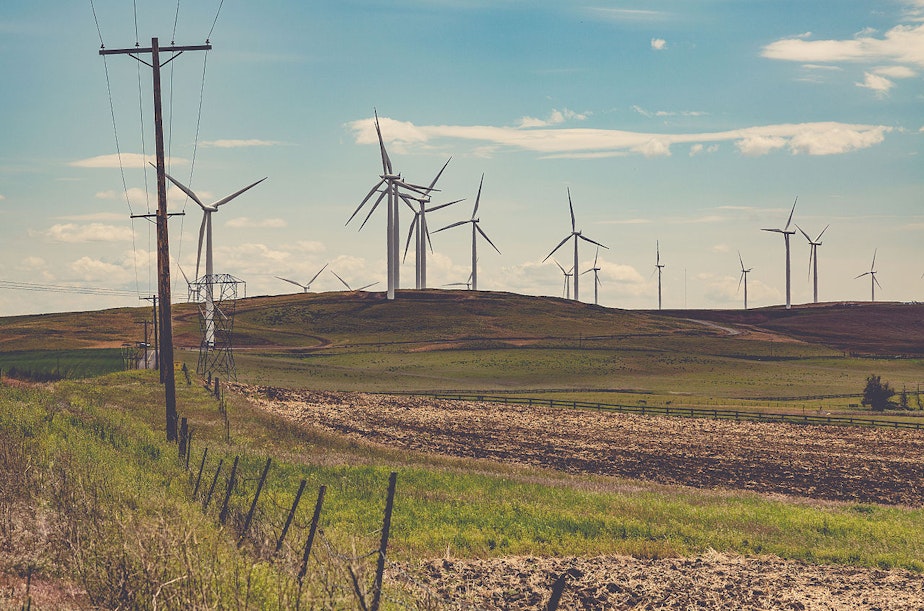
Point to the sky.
(678, 126)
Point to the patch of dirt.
(710, 581)
(852, 464)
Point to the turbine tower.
(419, 229)
(786, 233)
(595, 269)
(476, 229)
(577, 236)
(392, 184)
(872, 275)
(566, 289)
(659, 266)
(307, 286)
(744, 276)
(813, 257)
(205, 231)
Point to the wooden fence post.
(314, 527)
(208, 497)
(256, 496)
(184, 431)
(189, 437)
(223, 514)
(383, 545)
(285, 529)
(199, 477)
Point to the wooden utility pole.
(163, 244)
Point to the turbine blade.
(407, 200)
(811, 256)
(374, 206)
(180, 267)
(822, 232)
(791, 213)
(386, 162)
(315, 277)
(571, 208)
(803, 233)
(740, 278)
(363, 288)
(657, 253)
(560, 244)
(433, 183)
(451, 226)
(410, 234)
(205, 216)
(741, 260)
(365, 199)
(560, 267)
(773, 230)
(485, 236)
(478, 197)
(873, 264)
(586, 239)
(861, 275)
(341, 280)
(233, 195)
(444, 205)
(595, 257)
(876, 280)
(298, 284)
(184, 189)
(429, 241)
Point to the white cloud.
(248, 223)
(2, 197)
(310, 246)
(627, 222)
(721, 248)
(903, 44)
(33, 263)
(227, 144)
(93, 232)
(823, 138)
(896, 71)
(658, 44)
(556, 117)
(697, 149)
(94, 216)
(880, 84)
(128, 160)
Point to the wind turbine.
(744, 276)
(577, 236)
(205, 231)
(467, 284)
(595, 269)
(659, 266)
(476, 229)
(392, 184)
(348, 287)
(813, 257)
(786, 233)
(872, 275)
(566, 293)
(419, 228)
(307, 286)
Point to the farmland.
(495, 502)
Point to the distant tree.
(877, 394)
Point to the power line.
(59, 288)
(218, 12)
(98, 30)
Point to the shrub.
(877, 394)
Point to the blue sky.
(691, 124)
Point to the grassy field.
(125, 524)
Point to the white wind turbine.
(566, 289)
(467, 284)
(786, 233)
(205, 231)
(658, 266)
(476, 229)
(419, 229)
(307, 286)
(577, 236)
(813, 257)
(595, 269)
(392, 184)
(348, 287)
(872, 275)
(744, 277)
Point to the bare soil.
(710, 581)
(853, 464)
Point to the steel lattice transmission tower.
(216, 296)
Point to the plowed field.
(821, 462)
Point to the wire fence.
(677, 411)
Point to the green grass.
(59, 364)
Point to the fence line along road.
(684, 412)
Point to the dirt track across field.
(852, 464)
